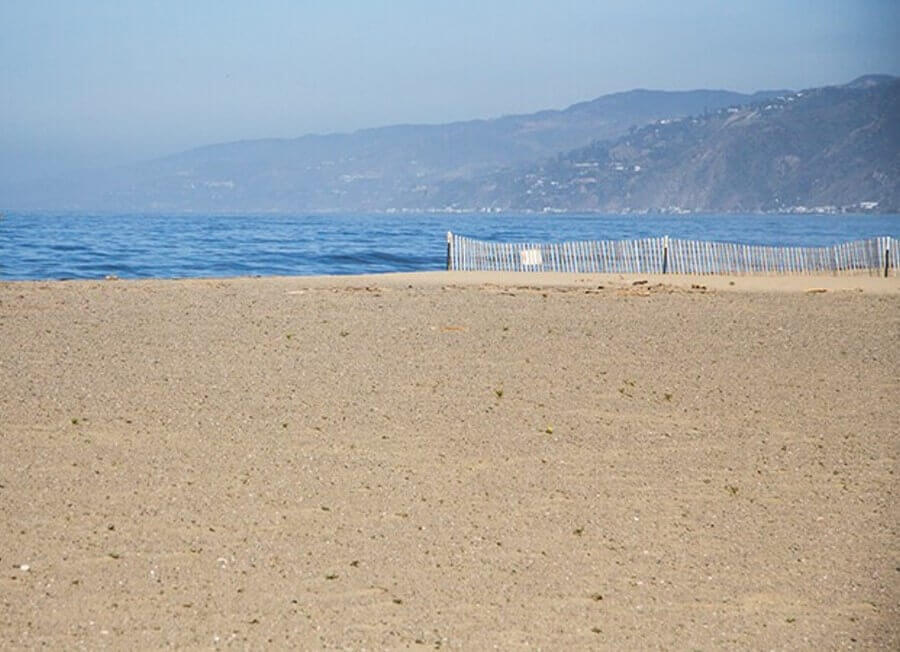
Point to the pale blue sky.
(101, 82)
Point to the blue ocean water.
(69, 246)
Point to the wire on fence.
(874, 256)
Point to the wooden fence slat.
(894, 249)
(677, 247)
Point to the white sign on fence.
(531, 257)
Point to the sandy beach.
(449, 460)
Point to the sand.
(450, 461)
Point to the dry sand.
(450, 460)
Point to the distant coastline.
(824, 150)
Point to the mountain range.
(823, 149)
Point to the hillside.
(825, 149)
(375, 169)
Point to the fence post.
(449, 250)
(665, 254)
(887, 256)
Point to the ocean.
(85, 246)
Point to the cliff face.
(821, 148)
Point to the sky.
(96, 83)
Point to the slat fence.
(874, 256)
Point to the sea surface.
(84, 246)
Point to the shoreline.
(861, 282)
